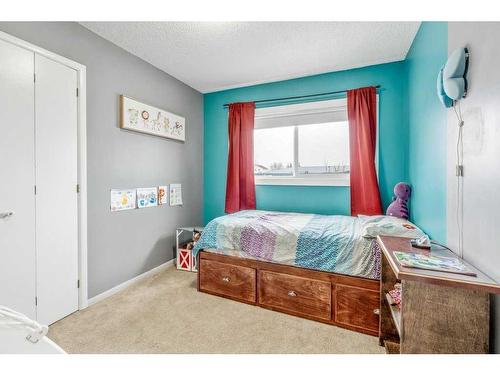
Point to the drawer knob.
(226, 279)
(292, 293)
(376, 311)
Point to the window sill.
(302, 181)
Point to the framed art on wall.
(143, 118)
(175, 194)
(162, 195)
(122, 199)
(147, 197)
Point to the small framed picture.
(162, 195)
(122, 199)
(147, 197)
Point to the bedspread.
(323, 242)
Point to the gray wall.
(481, 182)
(122, 245)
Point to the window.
(302, 144)
(274, 158)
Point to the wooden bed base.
(346, 301)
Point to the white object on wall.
(144, 118)
(175, 193)
(122, 199)
(147, 197)
(162, 195)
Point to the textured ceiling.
(211, 56)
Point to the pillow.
(381, 225)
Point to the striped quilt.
(323, 242)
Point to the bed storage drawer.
(296, 295)
(228, 280)
(357, 307)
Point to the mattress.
(330, 243)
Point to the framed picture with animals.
(143, 118)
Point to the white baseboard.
(120, 287)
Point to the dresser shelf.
(440, 312)
(395, 313)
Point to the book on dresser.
(432, 262)
(439, 312)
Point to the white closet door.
(56, 198)
(17, 180)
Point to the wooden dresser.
(440, 312)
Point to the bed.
(320, 267)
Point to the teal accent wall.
(427, 129)
(393, 138)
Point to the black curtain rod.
(299, 97)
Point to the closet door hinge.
(78, 284)
(77, 188)
(36, 301)
(35, 189)
(34, 77)
(77, 91)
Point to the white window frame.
(316, 108)
(303, 180)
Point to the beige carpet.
(165, 314)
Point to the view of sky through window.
(273, 151)
(322, 149)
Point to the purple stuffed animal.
(399, 207)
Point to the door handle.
(4, 215)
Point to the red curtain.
(362, 115)
(240, 185)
